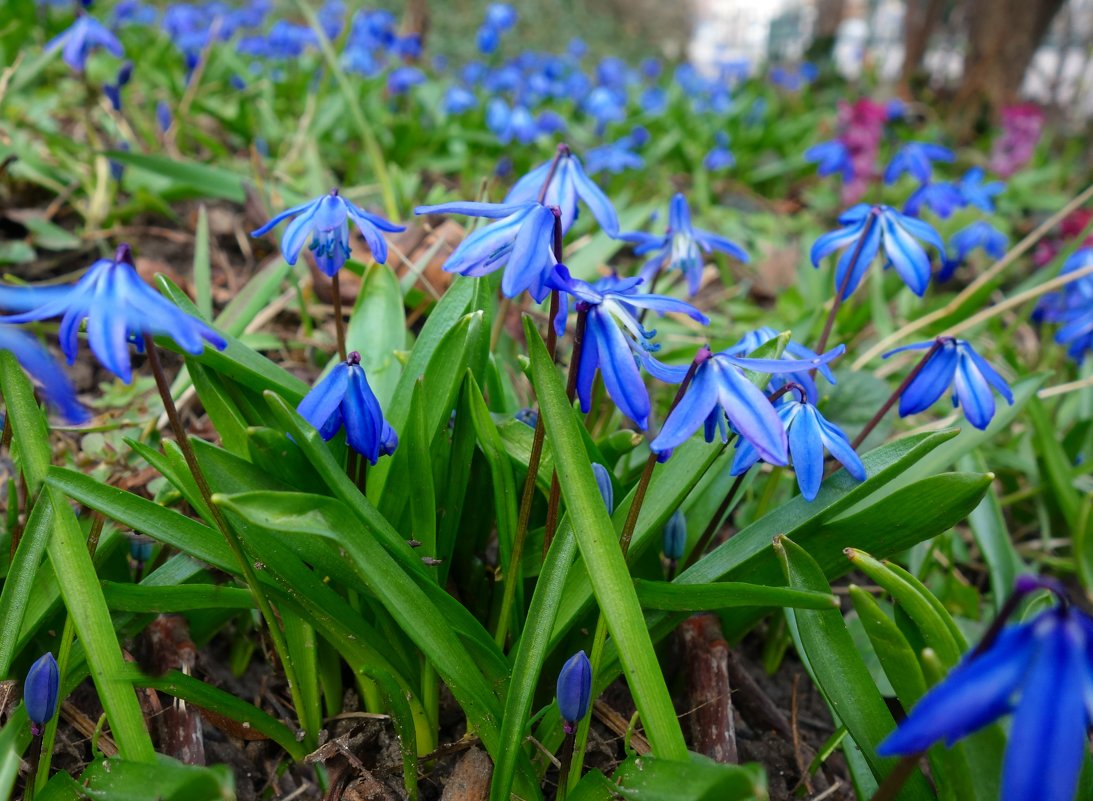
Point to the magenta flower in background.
(1022, 125)
(861, 127)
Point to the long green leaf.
(726, 594)
(600, 549)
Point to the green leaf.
(120, 780)
(203, 286)
(600, 548)
(126, 597)
(184, 177)
(838, 670)
(377, 330)
(726, 594)
(698, 778)
(991, 535)
(19, 583)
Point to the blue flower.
(942, 198)
(44, 372)
(832, 157)
(682, 245)
(83, 36)
(520, 242)
(674, 537)
(326, 220)
(613, 336)
(719, 157)
(615, 157)
(866, 230)
(752, 340)
(1072, 306)
(653, 100)
(605, 486)
(1042, 672)
(809, 433)
(719, 390)
(40, 692)
(487, 39)
(501, 16)
(979, 235)
(344, 398)
(508, 124)
(574, 691)
(568, 185)
(954, 363)
(119, 308)
(976, 193)
(458, 100)
(917, 158)
(402, 79)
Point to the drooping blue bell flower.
(720, 391)
(44, 372)
(614, 157)
(674, 538)
(979, 194)
(40, 692)
(1041, 671)
(809, 434)
(866, 231)
(574, 690)
(941, 197)
(511, 123)
(568, 185)
(487, 39)
(752, 340)
(402, 79)
(120, 309)
(980, 235)
(520, 242)
(614, 336)
(83, 36)
(605, 486)
(681, 246)
(953, 363)
(916, 158)
(326, 221)
(1072, 306)
(720, 157)
(458, 100)
(344, 399)
(832, 157)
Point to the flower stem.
(895, 780)
(838, 301)
(339, 321)
(883, 410)
(563, 150)
(715, 522)
(234, 544)
(566, 765)
(511, 576)
(571, 392)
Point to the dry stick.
(883, 410)
(234, 544)
(953, 305)
(838, 301)
(599, 638)
(570, 391)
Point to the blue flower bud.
(574, 689)
(675, 535)
(40, 692)
(603, 481)
(140, 547)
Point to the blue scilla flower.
(511, 123)
(605, 486)
(520, 242)
(613, 336)
(916, 158)
(44, 372)
(568, 184)
(615, 157)
(752, 340)
(119, 308)
(653, 100)
(1042, 672)
(402, 79)
(574, 691)
(830, 158)
(980, 235)
(501, 16)
(40, 692)
(682, 245)
(720, 391)
(953, 363)
(976, 193)
(80, 38)
(344, 399)
(719, 157)
(487, 39)
(674, 536)
(326, 220)
(869, 229)
(1072, 306)
(941, 197)
(458, 100)
(809, 433)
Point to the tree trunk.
(1003, 36)
(919, 24)
(829, 15)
